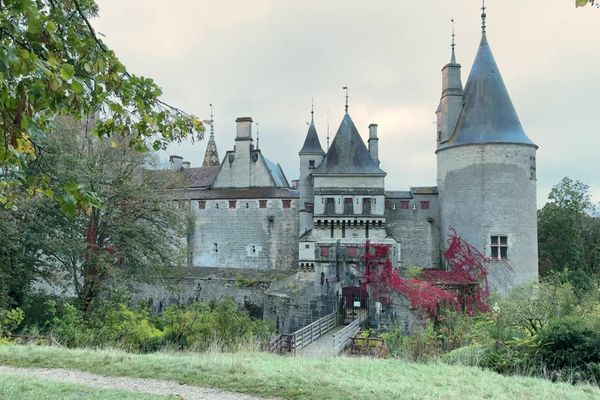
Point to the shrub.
(420, 346)
(10, 320)
(569, 342)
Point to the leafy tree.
(582, 3)
(53, 63)
(569, 234)
(136, 233)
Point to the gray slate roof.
(312, 145)
(200, 177)
(488, 115)
(231, 194)
(348, 153)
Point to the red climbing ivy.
(467, 275)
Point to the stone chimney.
(176, 162)
(186, 164)
(244, 128)
(374, 143)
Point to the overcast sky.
(267, 59)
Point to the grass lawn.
(27, 388)
(269, 375)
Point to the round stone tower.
(486, 177)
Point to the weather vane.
(257, 134)
(212, 121)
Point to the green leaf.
(77, 86)
(67, 71)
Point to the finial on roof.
(212, 122)
(346, 89)
(483, 17)
(312, 110)
(327, 130)
(453, 59)
(257, 135)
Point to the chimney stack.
(244, 128)
(374, 143)
(176, 162)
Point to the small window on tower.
(325, 252)
(499, 247)
(311, 164)
(405, 204)
(425, 205)
(532, 167)
(202, 204)
(287, 203)
(262, 203)
(232, 203)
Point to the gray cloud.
(267, 59)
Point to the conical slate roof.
(488, 115)
(312, 145)
(211, 157)
(348, 153)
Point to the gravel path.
(152, 386)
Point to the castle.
(293, 251)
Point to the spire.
(211, 156)
(312, 145)
(488, 115)
(483, 17)
(346, 89)
(453, 45)
(257, 135)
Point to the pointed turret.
(311, 156)
(312, 144)
(488, 115)
(348, 153)
(452, 96)
(211, 156)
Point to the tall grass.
(302, 378)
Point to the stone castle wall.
(246, 236)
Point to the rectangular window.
(366, 206)
(311, 164)
(309, 207)
(405, 204)
(287, 203)
(325, 252)
(532, 167)
(499, 247)
(425, 205)
(202, 204)
(352, 251)
(262, 203)
(388, 205)
(348, 206)
(330, 206)
(232, 203)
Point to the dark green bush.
(569, 342)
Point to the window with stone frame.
(287, 203)
(311, 164)
(348, 206)
(262, 203)
(499, 247)
(202, 204)
(425, 205)
(232, 203)
(325, 252)
(404, 204)
(366, 202)
(329, 206)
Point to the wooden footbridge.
(324, 337)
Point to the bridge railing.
(341, 339)
(304, 336)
